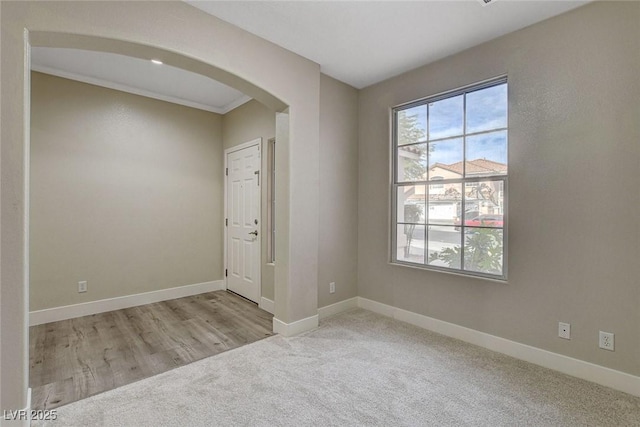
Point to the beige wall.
(338, 251)
(573, 234)
(573, 108)
(182, 36)
(249, 121)
(243, 124)
(125, 193)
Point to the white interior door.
(243, 217)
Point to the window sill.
(503, 281)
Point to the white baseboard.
(339, 307)
(267, 305)
(28, 407)
(94, 307)
(295, 328)
(578, 368)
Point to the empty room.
(320, 213)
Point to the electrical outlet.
(606, 341)
(82, 286)
(564, 330)
(332, 287)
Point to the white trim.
(94, 307)
(267, 305)
(225, 220)
(28, 399)
(141, 92)
(27, 408)
(339, 307)
(295, 328)
(235, 104)
(256, 141)
(26, 218)
(578, 368)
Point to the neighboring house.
(485, 197)
(445, 199)
(478, 167)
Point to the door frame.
(253, 142)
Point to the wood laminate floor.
(76, 358)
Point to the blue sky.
(446, 117)
(486, 110)
(447, 152)
(491, 146)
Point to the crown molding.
(140, 92)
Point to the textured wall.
(243, 124)
(338, 250)
(184, 37)
(574, 170)
(126, 193)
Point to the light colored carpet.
(358, 368)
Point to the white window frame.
(434, 182)
(464, 180)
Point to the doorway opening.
(124, 357)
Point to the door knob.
(255, 233)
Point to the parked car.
(474, 219)
(485, 221)
(467, 214)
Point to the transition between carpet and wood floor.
(358, 368)
(77, 358)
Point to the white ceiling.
(138, 76)
(357, 42)
(365, 42)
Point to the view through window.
(450, 181)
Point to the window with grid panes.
(450, 178)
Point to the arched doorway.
(188, 39)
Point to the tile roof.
(474, 167)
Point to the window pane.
(412, 163)
(411, 204)
(412, 125)
(444, 203)
(444, 246)
(446, 117)
(486, 154)
(451, 162)
(445, 159)
(483, 250)
(410, 243)
(487, 109)
(484, 204)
